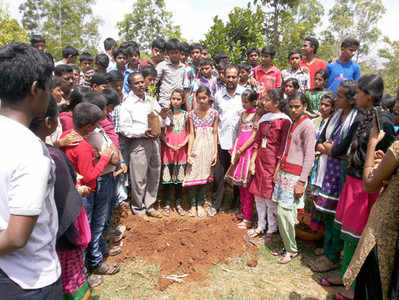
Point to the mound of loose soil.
(184, 246)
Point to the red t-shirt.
(270, 79)
(82, 158)
(317, 64)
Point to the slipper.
(287, 258)
(192, 212)
(339, 296)
(245, 224)
(166, 211)
(327, 283)
(211, 212)
(114, 251)
(278, 252)
(106, 269)
(180, 210)
(253, 233)
(94, 280)
(201, 211)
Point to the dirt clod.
(252, 262)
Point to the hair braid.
(360, 131)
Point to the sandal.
(244, 224)
(201, 211)
(319, 251)
(252, 233)
(114, 251)
(166, 211)
(212, 212)
(106, 269)
(278, 252)
(287, 258)
(192, 212)
(323, 265)
(94, 280)
(327, 283)
(180, 210)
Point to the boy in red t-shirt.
(267, 76)
(82, 156)
(310, 61)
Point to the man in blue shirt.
(344, 68)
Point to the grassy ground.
(268, 280)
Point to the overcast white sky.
(195, 17)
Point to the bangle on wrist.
(368, 167)
(122, 162)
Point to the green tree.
(147, 21)
(275, 13)
(391, 66)
(64, 22)
(353, 18)
(237, 34)
(33, 13)
(297, 22)
(10, 30)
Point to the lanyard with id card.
(264, 140)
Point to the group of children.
(302, 129)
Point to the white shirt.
(133, 115)
(229, 109)
(27, 177)
(111, 64)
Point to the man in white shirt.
(141, 149)
(229, 106)
(29, 266)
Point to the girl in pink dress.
(238, 173)
(174, 151)
(273, 128)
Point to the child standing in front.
(314, 96)
(269, 147)
(292, 175)
(238, 173)
(174, 151)
(290, 87)
(202, 150)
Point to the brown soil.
(183, 245)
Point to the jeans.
(11, 291)
(121, 189)
(97, 207)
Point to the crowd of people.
(84, 141)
